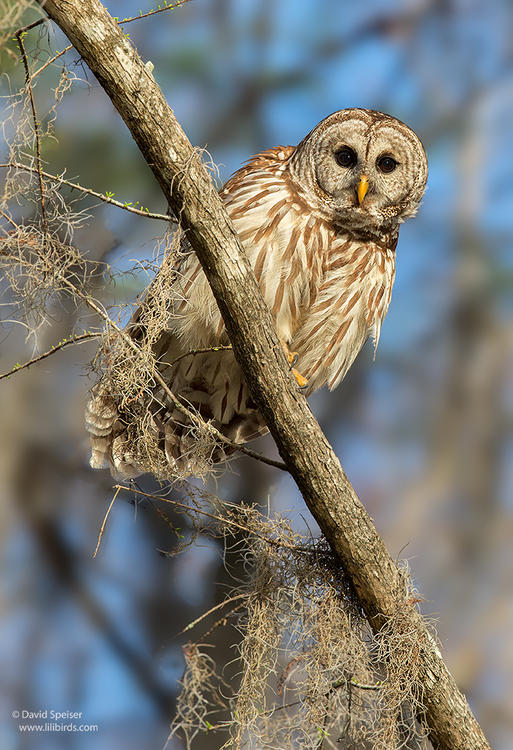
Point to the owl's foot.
(292, 358)
(300, 379)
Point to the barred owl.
(319, 222)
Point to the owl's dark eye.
(386, 164)
(346, 157)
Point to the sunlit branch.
(193, 352)
(57, 348)
(8, 218)
(222, 604)
(30, 26)
(104, 522)
(50, 61)
(88, 191)
(152, 12)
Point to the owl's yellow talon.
(292, 358)
(300, 379)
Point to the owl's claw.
(292, 358)
(300, 379)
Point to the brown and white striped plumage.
(323, 251)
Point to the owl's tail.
(147, 434)
(172, 444)
(108, 436)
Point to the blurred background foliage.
(424, 432)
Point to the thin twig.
(334, 686)
(8, 218)
(197, 351)
(32, 25)
(19, 39)
(222, 620)
(50, 61)
(195, 622)
(228, 521)
(169, 523)
(100, 196)
(152, 12)
(104, 522)
(322, 729)
(61, 345)
(292, 704)
(361, 686)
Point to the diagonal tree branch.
(57, 348)
(101, 196)
(186, 184)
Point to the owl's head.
(366, 169)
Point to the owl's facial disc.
(369, 169)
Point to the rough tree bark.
(312, 462)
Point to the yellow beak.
(363, 186)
